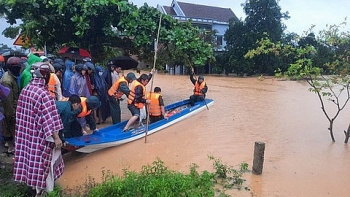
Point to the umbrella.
(125, 62)
(13, 53)
(73, 53)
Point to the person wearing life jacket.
(137, 98)
(54, 85)
(69, 108)
(156, 107)
(86, 105)
(86, 116)
(200, 88)
(115, 93)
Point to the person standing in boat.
(137, 98)
(200, 88)
(115, 93)
(156, 107)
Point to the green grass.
(156, 180)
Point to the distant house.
(204, 17)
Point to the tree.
(84, 23)
(330, 89)
(178, 42)
(263, 19)
(99, 24)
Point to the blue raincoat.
(102, 89)
(78, 85)
(68, 73)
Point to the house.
(204, 17)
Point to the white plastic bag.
(143, 114)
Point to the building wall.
(221, 29)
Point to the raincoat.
(37, 119)
(26, 76)
(102, 89)
(68, 73)
(78, 85)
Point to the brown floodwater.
(300, 158)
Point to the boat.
(113, 135)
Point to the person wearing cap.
(115, 93)
(137, 99)
(9, 104)
(200, 88)
(38, 160)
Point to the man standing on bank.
(38, 160)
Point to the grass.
(154, 180)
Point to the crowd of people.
(44, 101)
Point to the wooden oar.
(154, 66)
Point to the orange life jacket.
(51, 85)
(131, 97)
(198, 88)
(84, 109)
(154, 106)
(114, 90)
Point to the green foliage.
(323, 62)
(263, 20)
(156, 180)
(97, 24)
(9, 188)
(229, 176)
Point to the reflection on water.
(300, 159)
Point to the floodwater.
(300, 158)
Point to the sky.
(303, 13)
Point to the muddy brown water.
(300, 158)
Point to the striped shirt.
(36, 120)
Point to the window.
(219, 40)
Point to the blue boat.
(113, 135)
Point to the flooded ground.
(300, 158)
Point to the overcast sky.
(303, 13)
